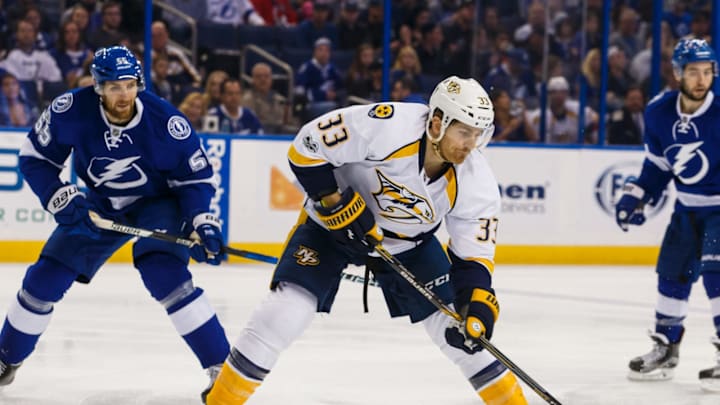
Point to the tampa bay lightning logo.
(178, 127)
(689, 163)
(62, 103)
(118, 174)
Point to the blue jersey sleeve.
(191, 179)
(656, 171)
(42, 156)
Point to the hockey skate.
(658, 364)
(710, 378)
(7, 373)
(212, 372)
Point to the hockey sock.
(22, 328)
(711, 281)
(196, 322)
(237, 380)
(498, 389)
(671, 308)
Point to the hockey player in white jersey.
(389, 173)
(143, 165)
(681, 143)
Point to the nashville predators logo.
(381, 111)
(399, 204)
(453, 87)
(306, 256)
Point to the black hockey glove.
(479, 316)
(351, 223)
(207, 229)
(629, 210)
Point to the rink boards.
(557, 204)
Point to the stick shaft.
(435, 300)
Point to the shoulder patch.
(178, 127)
(381, 111)
(62, 103)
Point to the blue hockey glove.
(207, 229)
(351, 223)
(629, 210)
(479, 316)
(69, 207)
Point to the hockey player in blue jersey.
(682, 144)
(392, 173)
(142, 164)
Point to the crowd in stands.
(335, 48)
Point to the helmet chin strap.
(435, 142)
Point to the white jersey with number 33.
(378, 150)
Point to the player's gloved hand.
(207, 229)
(351, 223)
(479, 315)
(629, 209)
(69, 207)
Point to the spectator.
(626, 125)
(591, 74)
(181, 71)
(43, 40)
(510, 124)
(352, 32)
(561, 116)
(678, 18)
(319, 26)
(668, 81)
(405, 90)
(80, 16)
(618, 77)
(194, 108)
(591, 35)
(359, 79)
(373, 20)
(212, 87)
(161, 85)
(431, 52)
(109, 32)
(512, 75)
(700, 26)
(27, 63)
(318, 80)
(407, 64)
(15, 111)
(458, 32)
(278, 13)
(627, 37)
(230, 117)
(270, 107)
(71, 54)
(234, 12)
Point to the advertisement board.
(557, 203)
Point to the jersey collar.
(700, 111)
(133, 122)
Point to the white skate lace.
(657, 353)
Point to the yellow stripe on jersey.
(231, 388)
(489, 265)
(301, 160)
(406, 151)
(451, 188)
(504, 391)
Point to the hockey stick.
(435, 300)
(110, 225)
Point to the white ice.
(572, 329)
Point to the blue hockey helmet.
(116, 63)
(693, 50)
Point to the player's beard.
(692, 95)
(118, 115)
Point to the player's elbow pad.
(317, 181)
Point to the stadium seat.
(295, 57)
(261, 36)
(217, 36)
(288, 37)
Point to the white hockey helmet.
(464, 100)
